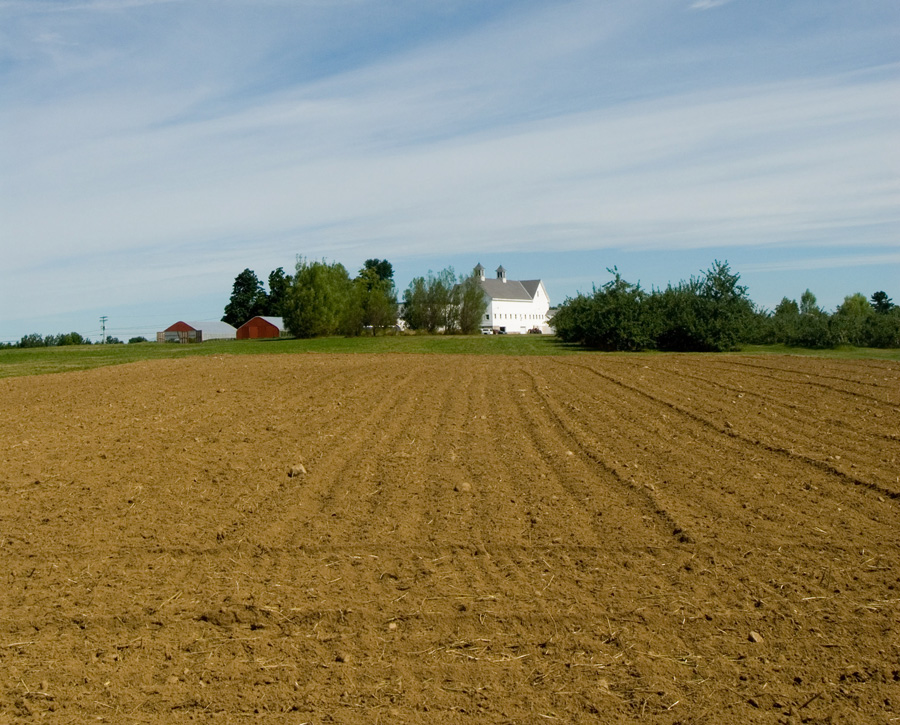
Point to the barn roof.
(511, 289)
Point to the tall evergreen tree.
(248, 299)
(279, 284)
(881, 303)
(383, 269)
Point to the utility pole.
(103, 328)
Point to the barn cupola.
(479, 271)
(501, 273)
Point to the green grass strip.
(44, 360)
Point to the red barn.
(261, 327)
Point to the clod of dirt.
(464, 487)
(343, 657)
(755, 637)
(298, 469)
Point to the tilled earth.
(663, 539)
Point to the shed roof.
(277, 321)
(213, 327)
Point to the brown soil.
(664, 539)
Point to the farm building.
(262, 327)
(197, 332)
(514, 306)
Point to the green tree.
(415, 304)
(677, 318)
(470, 304)
(881, 303)
(70, 338)
(850, 322)
(428, 302)
(884, 328)
(614, 317)
(317, 301)
(383, 269)
(728, 309)
(33, 340)
(373, 301)
(140, 338)
(248, 299)
(812, 326)
(279, 284)
(572, 318)
(708, 313)
(711, 313)
(785, 320)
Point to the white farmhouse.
(514, 306)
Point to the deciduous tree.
(317, 300)
(471, 304)
(427, 302)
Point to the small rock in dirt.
(297, 470)
(342, 657)
(755, 637)
(392, 626)
(463, 487)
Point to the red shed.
(261, 327)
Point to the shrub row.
(713, 313)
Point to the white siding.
(519, 316)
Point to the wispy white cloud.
(765, 164)
(845, 262)
(57, 6)
(708, 4)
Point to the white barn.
(514, 306)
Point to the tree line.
(64, 338)
(321, 298)
(713, 312)
(860, 322)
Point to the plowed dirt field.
(663, 539)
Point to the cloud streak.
(843, 262)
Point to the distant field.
(39, 361)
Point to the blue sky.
(150, 150)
